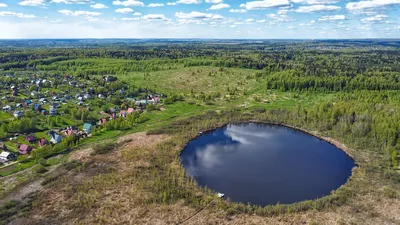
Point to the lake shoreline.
(307, 159)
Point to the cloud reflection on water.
(245, 134)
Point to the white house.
(7, 108)
(6, 156)
(18, 114)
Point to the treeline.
(294, 80)
(263, 57)
(23, 125)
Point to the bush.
(40, 169)
(259, 110)
(103, 148)
(49, 179)
(231, 212)
(389, 192)
(72, 165)
(8, 210)
(43, 162)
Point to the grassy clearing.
(195, 79)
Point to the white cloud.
(317, 8)
(91, 19)
(217, 17)
(198, 15)
(214, 1)
(3, 5)
(193, 15)
(32, 3)
(72, 1)
(260, 5)
(128, 3)
(186, 21)
(186, 2)
(131, 19)
(260, 21)
(79, 13)
(219, 6)
(313, 2)
(237, 10)
(362, 5)
(156, 5)
(124, 10)
(98, 6)
(282, 11)
(55, 21)
(137, 14)
(43, 2)
(374, 18)
(332, 18)
(154, 17)
(280, 18)
(249, 20)
(19, 15)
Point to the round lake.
(266, 164)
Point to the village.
(41, 109)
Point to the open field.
(205, 80)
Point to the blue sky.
(263, 19)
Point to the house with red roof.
(71, 130)
(130, 111)
(102, 121)
(122, 113)
(43, 142)
(24, 149)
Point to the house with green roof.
(87, 127)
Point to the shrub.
(43, 162)
(72, 165)
(40, 169)
(49, 179)
(231, 212)
(8, 210)
(389, 192)
(103, 148)
(259, 110)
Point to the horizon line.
(122, 38)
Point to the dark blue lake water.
(266, 164)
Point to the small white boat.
(220, 195)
